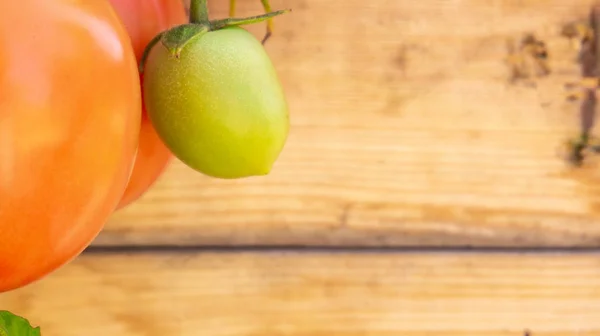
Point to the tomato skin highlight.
(70, 98)
(219, 105)
(143, 20)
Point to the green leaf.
(13, 325)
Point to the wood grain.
(250, 294)
(405, 131)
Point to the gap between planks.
(151, 249)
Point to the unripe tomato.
(218, 104)
(69, 127)
(143, 20)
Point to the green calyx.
(176, 38)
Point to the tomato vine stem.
(267, 7)
(232, 4)
(199, 12)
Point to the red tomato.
(144, 19)
(69, 127)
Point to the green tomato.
(217, 103)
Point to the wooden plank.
(317, 294)
(405, 131)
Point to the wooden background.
(420, 193)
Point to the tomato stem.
(267, 6)
(232, 7)
(199, 12)
(232, 22)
